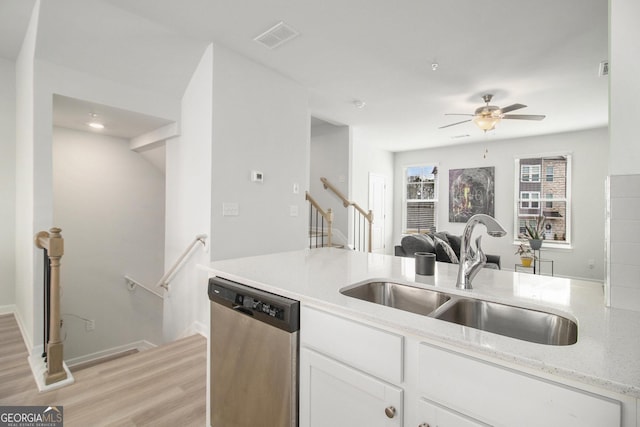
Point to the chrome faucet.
(471, 261)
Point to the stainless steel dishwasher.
(254, 356)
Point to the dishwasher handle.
(243, 310)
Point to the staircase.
(322, 233)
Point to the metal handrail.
(132, 284)
(168, 276)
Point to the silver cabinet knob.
(424, 425)
(390, 411)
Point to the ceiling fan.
(487, 116)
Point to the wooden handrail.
(368, 215)
(53, 242)
(345, 202)
(327, 215)
(334, 189)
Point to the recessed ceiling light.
(94, 123)
(359, 103)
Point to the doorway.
(377, 189)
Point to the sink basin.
(402, 297)
(516, 322)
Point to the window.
(549, 204)
(549, 173)
(556, 204)
(529, 199)
(420, 207)
(530, 173)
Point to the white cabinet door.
(433, 415)
(505, 397)
(335, 395)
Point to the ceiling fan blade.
(453, 124)
(524, 116)
(512, 107)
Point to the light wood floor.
(165, 386)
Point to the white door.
(336, 395)
(377, 186)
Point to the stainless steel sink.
(516, 322)
(402, 297)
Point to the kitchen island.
(605, 361)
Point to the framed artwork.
(471, 191)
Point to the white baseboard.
(39, 368)
(35, 359)
(201, 328)
(26, 337)
(195, 328)
(137, 345)
(7, 309)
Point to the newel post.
(54, 243)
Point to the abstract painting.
(471, 191)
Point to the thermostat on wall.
(257, 176)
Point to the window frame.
(530, 173)
(543, 203)
(529, 199)
(406, 201)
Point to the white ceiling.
(544, 54)
(76, 114)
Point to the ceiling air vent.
(277, 35)
(603, 70)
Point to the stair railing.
(362, 220)
(169, 275)
(317, 219)
(53, 245)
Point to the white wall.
(26, 299)
(624, 88)
(36, 83)
(109, 202)
(237, 116)
(365, 159)
(590, 157)
(7, 183)
(623, 225)
(330, 159)
(260, 122)
(189, 204)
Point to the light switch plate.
(230, 209)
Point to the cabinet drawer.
(367, 348)
(433, 415)
(500, 396)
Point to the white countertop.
(607, 354)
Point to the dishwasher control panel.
(251, 303)
(279, 311)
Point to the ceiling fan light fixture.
(486, 123)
